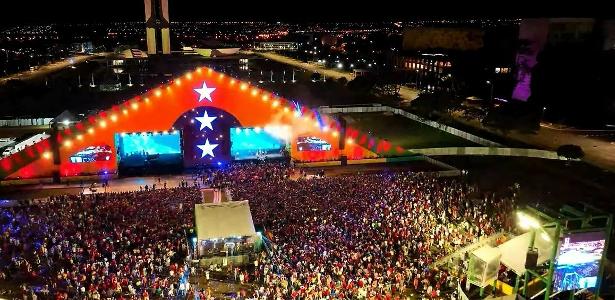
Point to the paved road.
(50, 68)
(406, 93)
(599, 152)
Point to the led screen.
(92, 154)
(310, 143)
(148, 149)
(577, 264)
(255, 143)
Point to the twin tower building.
(157, 26)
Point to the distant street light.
(491, 92)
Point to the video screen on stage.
(92, 154)
(144, 149)
(577, 264)
(310, 143)
(255, 143)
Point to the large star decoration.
(205, 92)
(206, 121)
(208, 149)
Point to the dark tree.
(570, 151)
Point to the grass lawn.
(403, 132)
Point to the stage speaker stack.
(531, 259)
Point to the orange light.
(209, 70)
(243, 86)
(125, 111)
(103, 124)
(146, 100)
(91, 130)
(68, 143)
(189, 75)
(168, 88)
(275, 103)
(265, 97)
(80, 137)
(334, 133)
(316, 124)
(349, 141)
(232, 81)
(134, 105)
(221, 76)
(46, 155)
(158, 93)
(178, 81)
(286, 109)
(113, 118)
(254, 92)
(199, 70)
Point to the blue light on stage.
(149, 149)
(255, 143)
(152, 143)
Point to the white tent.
(223, 220)
(484, 265)
(514, 251)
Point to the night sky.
(72, 11)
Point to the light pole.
(542, 115)
(491, 92)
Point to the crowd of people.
(372, 236)
(100, 246)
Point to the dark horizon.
(70, 11)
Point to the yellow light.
(178, 81)
(199, 70)
(265, 97)
(286, 109)
(232, 81)
(67, 143)
(221, 76)
(146, 100)
(134, 105)
(103, 124)
(306, 118)
(527, 222)
(158, 93)
(334, 133)
(254, 92)
(243, 86)
(209, 70)
(349, 141)
(168, 88)
(91, 130)
(189, 75)
(125, 111)
(316, 124)
(113, 118)
(275, 103)
(80, 137)
(46, 155)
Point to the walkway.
(50, 68)
(406, 93)
(598, 152)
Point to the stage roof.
(223, 220)
(514, 251)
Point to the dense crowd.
(102, 246)
(369, 236)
